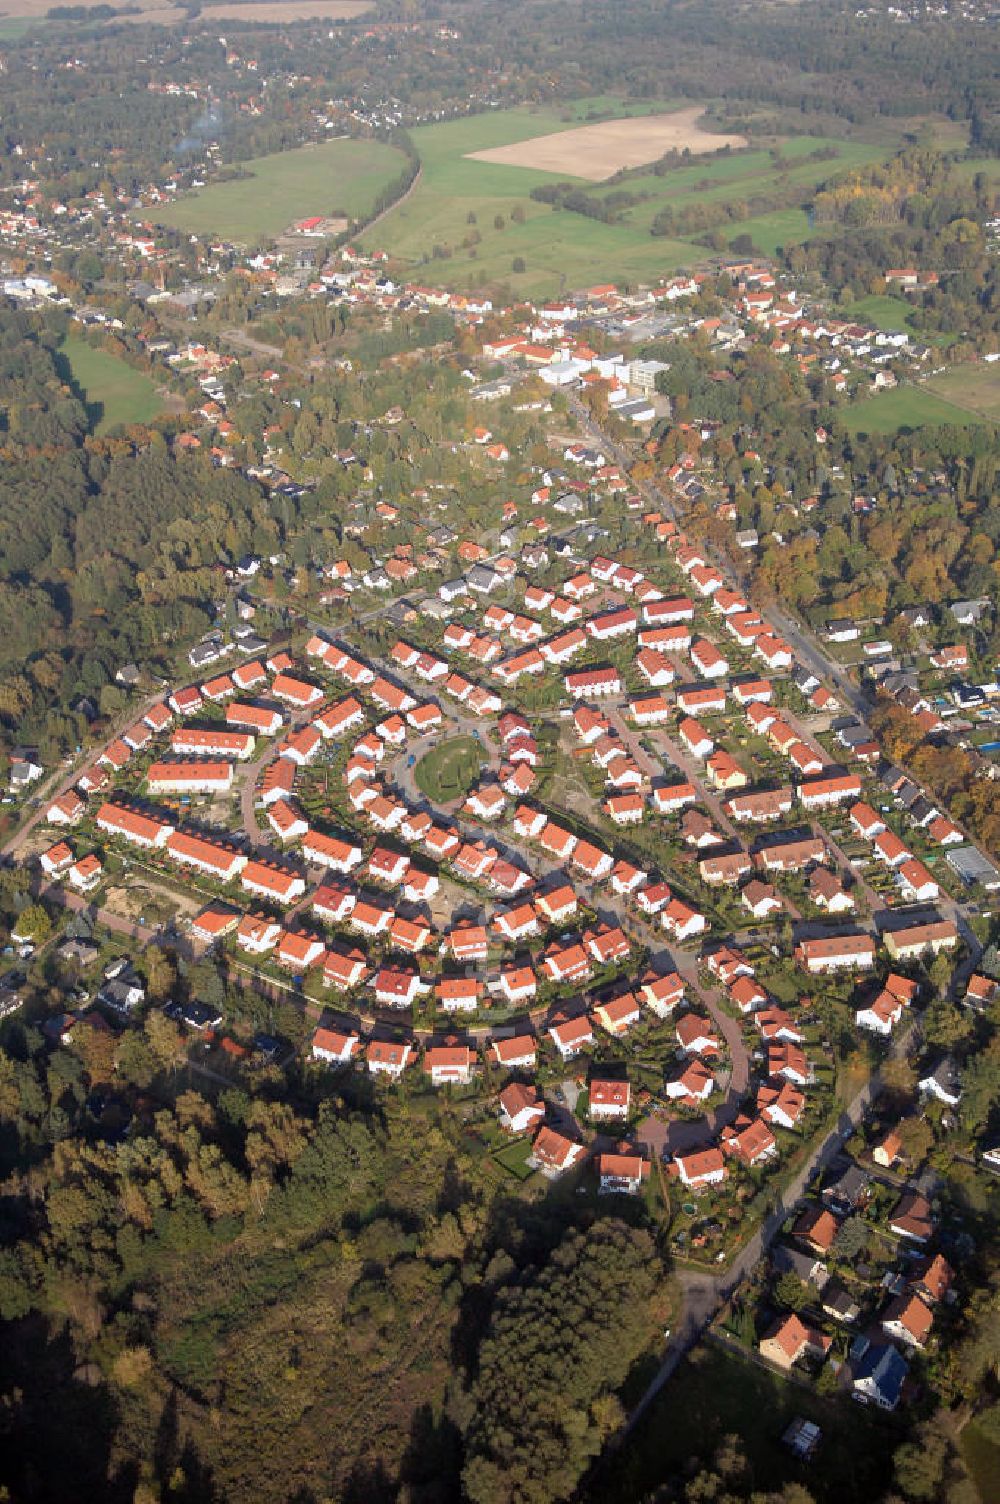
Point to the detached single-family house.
(909, 1320)
(879, 1375)
(521, 1108)
(790, 1339)
(622, 1173)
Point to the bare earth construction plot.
(594, 152)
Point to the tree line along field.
(345, 174)
(459, 198)
(113, 392)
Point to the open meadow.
(774, 231)
(113, 392)
(976, 387)
(459, 199)
(345, 174)
(884, 311)
(905, 407)
(471, 219)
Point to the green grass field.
(113, 392)
(449, 770)
(976, 387)
(336, 175)
(514, 1159)
(904, 407)
(885, 312)
(13, 28)
(458, 199)
(782, 227)
(556, 247)
(742, 175)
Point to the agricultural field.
(450, 770)
(458, 199)
(271, 11)
(975, 387)
(18, 16)
(595, 152)
(113, 392)
(37, 10)
(460, 221)
(343, 174)
(904, 407)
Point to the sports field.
(343, 174)
(450, 770)
(113, 392)
(904, 407)
(471, 217)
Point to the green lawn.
(450, 770)
(972, 166)
(904, 407)
(885, 312)
(113, 391)
(514, 1159)
(715, 1394)
(343, 175)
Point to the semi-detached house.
(820, 793)
(593, 681)
(273, 882)
(218, 861)
(848, 952)
(261, 720)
